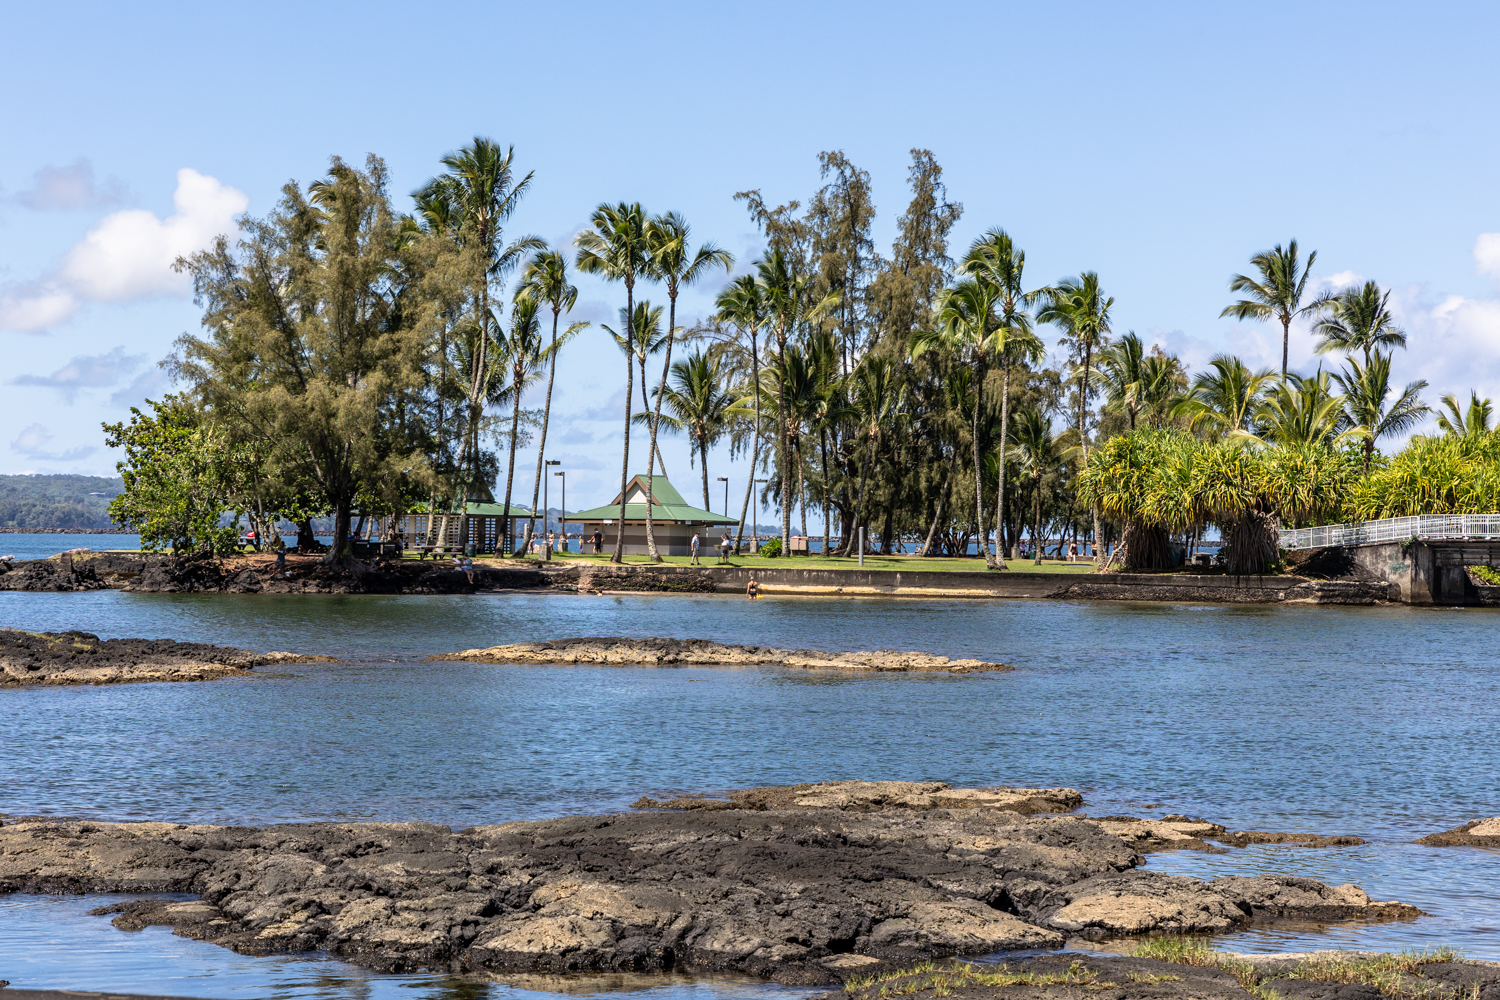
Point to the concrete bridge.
(1422, 558)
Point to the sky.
(1160, 145)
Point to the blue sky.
(1158, 144)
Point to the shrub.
(771, 549)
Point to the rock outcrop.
(802, 894)
(701, 652)
(28, 658)
(1475, 833)
(867, 795)
(1175, 833)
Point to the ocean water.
(1378, 722)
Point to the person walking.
(280, 546)
(694, 561)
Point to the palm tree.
(1039, 454)
(1078, 307)
(1302, 411)
(1134, 380)
(789, 302)
(616, 248)
(1278, 293)
(698, 403)
(1225, 399)
(743, 304)
(546, 280)
(1474, 424)
(878, 394)
(966, 323)
(673, 264)
(1366, 389)
(995, 259)
(1359, 320)
(481, 193)
(526, 353)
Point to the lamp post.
(546, 546)
(725, 481)
(760, 505)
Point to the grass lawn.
(909, 563)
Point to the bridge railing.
(1394, 529)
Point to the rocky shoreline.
(61, 658)
(812, 884)
(701, 652)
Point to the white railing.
(1395, 529)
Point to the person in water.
(752, 590)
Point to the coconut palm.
(995, 259)
(743, 304)
(1302, 411)
(526, 354)
(616, 248)
(641, 337)
(877, 395)
(1471, 424)
(1080, 309)
(1038, 453)
(1224, 399)
(699, 403)
(546, 280)
(676, 266)
(1278, 293)
(1359, 320)
(1135, 381)
(1367, 388)
(965, 327)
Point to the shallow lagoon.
(1383, 723)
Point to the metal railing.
(1395, 529)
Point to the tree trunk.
(783, 458)
(619, 555)
(510, 472)
(661, 392)
(755, 444)
(942, 504)
(852, 542)
(1004, 438)
(1036, 533)
(984, 544)
(703, 461)
(823, 447)
(541, 448)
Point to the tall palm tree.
(1302, 411)
(1359, 320)
(878, 394)
(1473, 424)
(1134, 380)
(1224, 400)
(965, 325)
(743, 304)
(616, 248)
(789, 302)
(526, 353)
(699, 403)
(546, 280)
(995, 259)
(481, 192)
(1278, 293)
(1039, 454)
(1080, 309)
(1366, 391)
(676, 265)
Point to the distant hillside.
(67, 502)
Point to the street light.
(563, 517)
(546, 548)
(760, 505)
(725, 481)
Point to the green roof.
(668, 505)
(482, 510)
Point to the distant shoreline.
(65, 531)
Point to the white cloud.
(1487, 254)
(32, 442)
(70, 187)
(87, 371)
(129, 255)
(150, 382)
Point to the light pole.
(725, 481)
(760, 505)
(563, 517)
(546, 546)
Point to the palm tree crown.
(1278, 292)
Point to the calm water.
(1384, 723)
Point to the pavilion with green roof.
(673, 520)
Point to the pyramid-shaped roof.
(666, 505)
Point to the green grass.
(1393, 975)
(944, 980)
(908, 563)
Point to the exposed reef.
(28, 658)
(701, 652)
(863, 877)
(1475, 833)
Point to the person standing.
(752, 590)
(694, 561)
(724, 546)
(598, 541)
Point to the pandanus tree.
(615, 247)
(1473, 423)
(1079, 308)
(1277, 293)
(995, 260)
(1368, 404)
(1358, 319)
(743, 305)
(965, 327)
(1224, 400)
(698, 403)
(546, 281)
(675, 264)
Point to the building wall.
(672, 539)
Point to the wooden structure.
(673, 521)
(486, 527)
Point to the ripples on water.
(1378, 722)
